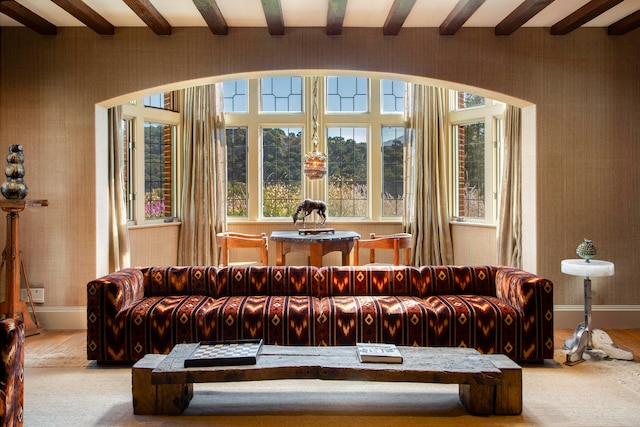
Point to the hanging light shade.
(315, 162)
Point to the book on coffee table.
(378, 353)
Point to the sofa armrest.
(531, 295)
(12, 375)
(106, 297)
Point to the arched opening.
(528, 167)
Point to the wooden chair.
(394, 242)
(232, 240)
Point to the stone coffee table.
(488, 384)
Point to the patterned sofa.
(12, 373)
(148, 310)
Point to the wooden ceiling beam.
(625, 25)
(458, 16)
(273, 13)
(150, 15)
(335, 17)
(21, 14)
(581, 16)
(212, 16)
(397, 15)
(89, 17)
(527, 10)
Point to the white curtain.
(509, 228)
(119, 248)
(427, 171)
(203, 206)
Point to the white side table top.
(594, 268)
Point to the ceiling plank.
(150, 15)
(397, 15)
(89, 17)
(335, 17)
(581, 16)
(21, 14)
(527, 10)
(625, 25)
(458, 16)
(212, 16)
(273, 13)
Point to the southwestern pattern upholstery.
(494, 309)
(11, 372)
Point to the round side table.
(583, 336)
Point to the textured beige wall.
(585, 88)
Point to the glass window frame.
(491, 114)
(138, 113)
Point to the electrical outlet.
(37, 295)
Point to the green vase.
(586, 250)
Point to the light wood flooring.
(74, 341)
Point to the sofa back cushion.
(369, 280)
(266, 280)
(192, 280)
(457, 280)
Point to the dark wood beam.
(625, 25)
(335, 17)
(150, 15)
(273, 13)
(89, 17)
(21, 14)
(527, 10)
(458, 16)
(581, 16)
(212, 16)
(396, 17)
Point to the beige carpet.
(80, 393)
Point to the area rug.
(592, 393)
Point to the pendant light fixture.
(315, 163)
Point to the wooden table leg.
(509, 393)
(279, 253)
(315, 254)
(157, 399)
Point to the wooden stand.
(13, 306)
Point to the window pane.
(281, 94)
(347, 152)
(392, 94)
(158, 144)
(235, 96)
(127, 142)
(392, 171)
(237, 171)
(163, 100)
(281, 171)
(468, 100)
(471, 171)
(347, 94)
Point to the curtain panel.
(509, 229)
(426, 214)
(203, 205)
(119, 247)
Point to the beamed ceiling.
(47, 17)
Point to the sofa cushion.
(191, 280)
(279, 320)
(486, 323)
(155, 324)
(266, 280)
(402, 320)
(370, 280)
(458, 280)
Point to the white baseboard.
(602, 316)
(62, 317)
(565, 316)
